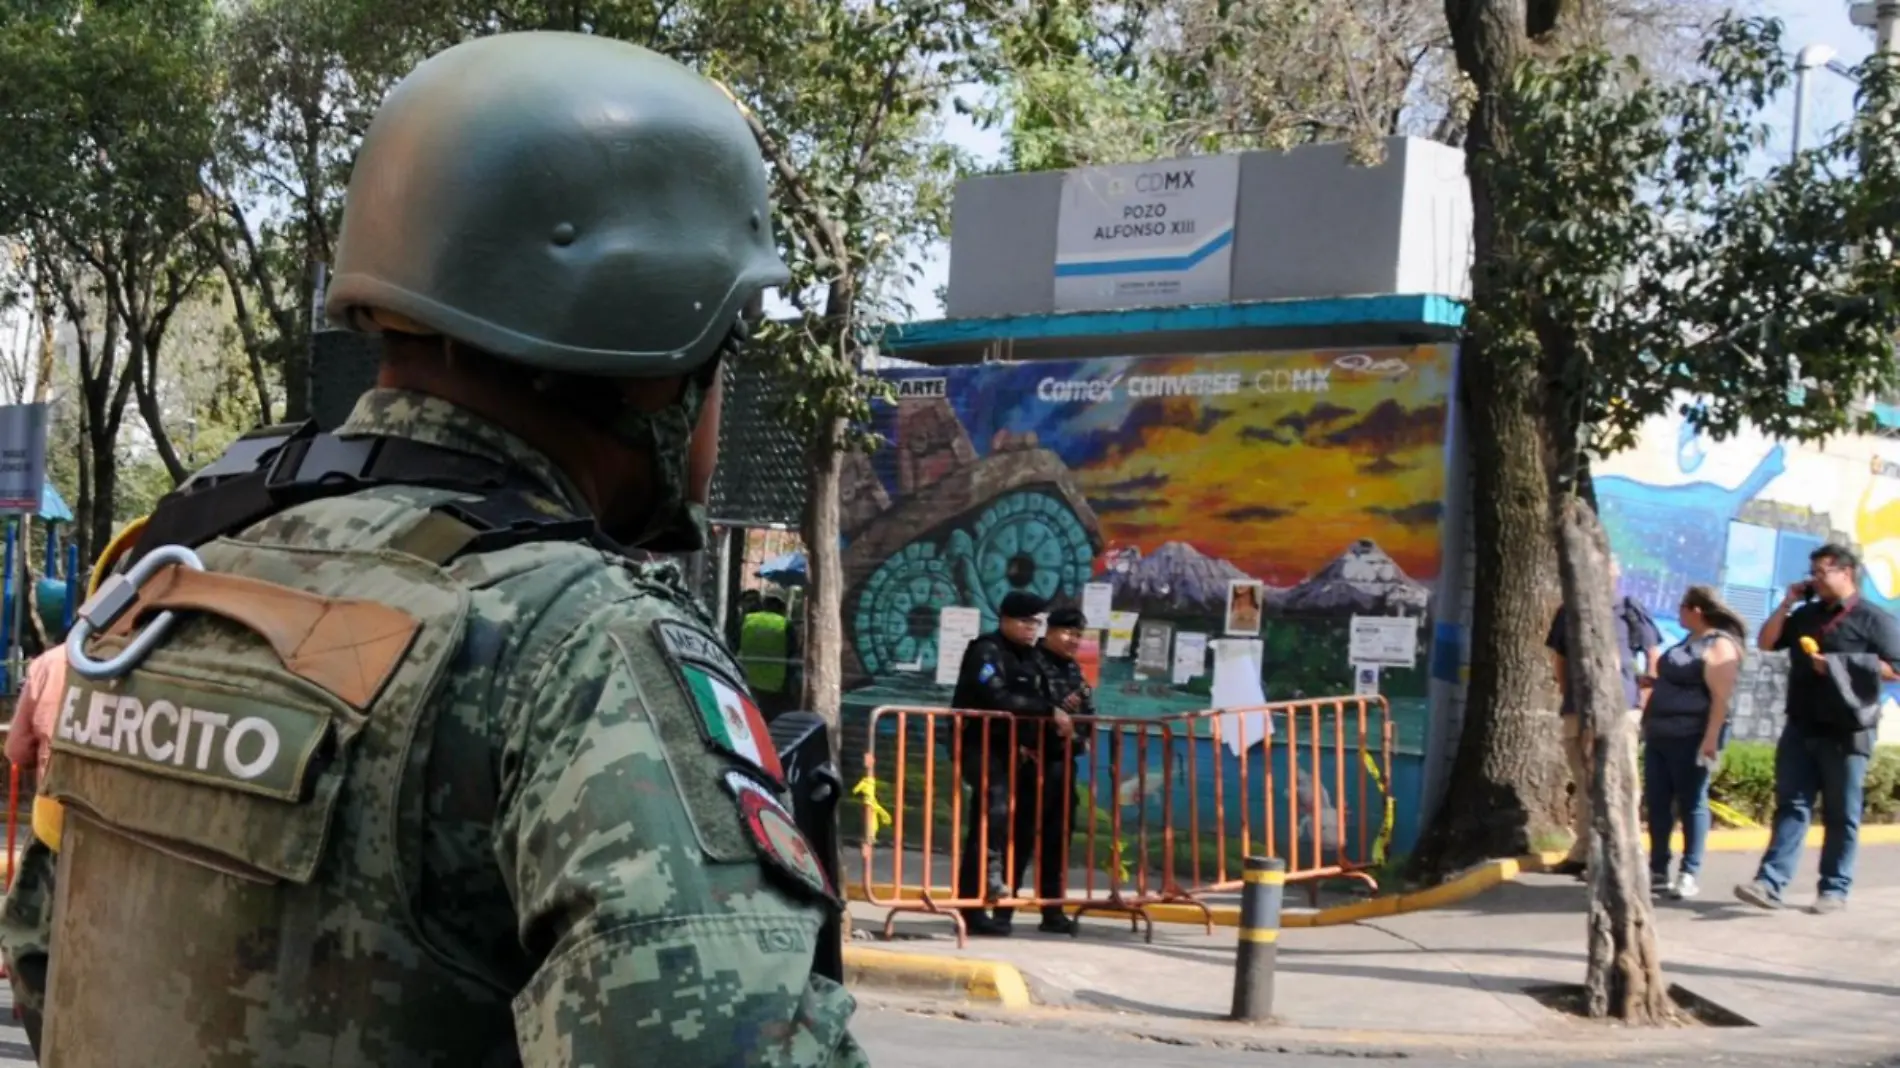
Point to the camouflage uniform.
(521, 811)
(582, 886)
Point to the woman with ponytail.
(1685, 725)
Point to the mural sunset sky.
(1278, 465)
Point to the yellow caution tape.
(1104, 828)
(880, 816)
(1729, 816)
(1384, 841)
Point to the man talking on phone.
(1841, 650)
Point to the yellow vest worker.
(764, 649)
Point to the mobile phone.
(1807, 591)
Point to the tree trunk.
(824, 633)
(1507, 793)
(824, 608)
(1624, 977)
(48, 360)
(105, 489)
(84, 507)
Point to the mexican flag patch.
(731, 720)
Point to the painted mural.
(1318, 475)
(1742, 516)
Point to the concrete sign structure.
(1310, 224)
(1146, 234)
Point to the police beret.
(1020, 604)
(1067, 618)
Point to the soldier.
(427, 771)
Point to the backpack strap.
(273, 469)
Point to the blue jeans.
(1675, 786)
(1808, 767)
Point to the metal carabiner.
(115, 597)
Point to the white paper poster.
(1190, 656)
(1388, 641)
(1237, 685)
(1097, 601)
(1151, 648)
(1365, 680)
(956, 629)
(1121, 632)
(1244, 600)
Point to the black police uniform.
(1000, 676)
(1051, 823)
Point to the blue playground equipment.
(58, 589)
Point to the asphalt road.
(902, 1039)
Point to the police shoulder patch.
(776, 837)
(728, 718)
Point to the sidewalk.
(1464, 970)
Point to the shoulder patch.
(780, 844)
(211, 736)
(683, 641)
(729, 719)
(986, 673)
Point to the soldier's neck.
(584, 456)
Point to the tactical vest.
(763, 648)
(206, 791)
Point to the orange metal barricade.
(1126, 845)
(1268, 792)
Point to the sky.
(1807, 22)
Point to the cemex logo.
(1069, 390)
(1153, 182)
(913, 388)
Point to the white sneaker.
(1686, 887)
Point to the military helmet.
(569, 202)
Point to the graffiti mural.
(1318, 475)
(1742, 516)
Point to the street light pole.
(1811, 57)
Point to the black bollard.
(1263, 886)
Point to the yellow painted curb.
(1458, 889)
(978, 980)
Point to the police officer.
(998, 674)
(436, 774)
(1050, 821)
